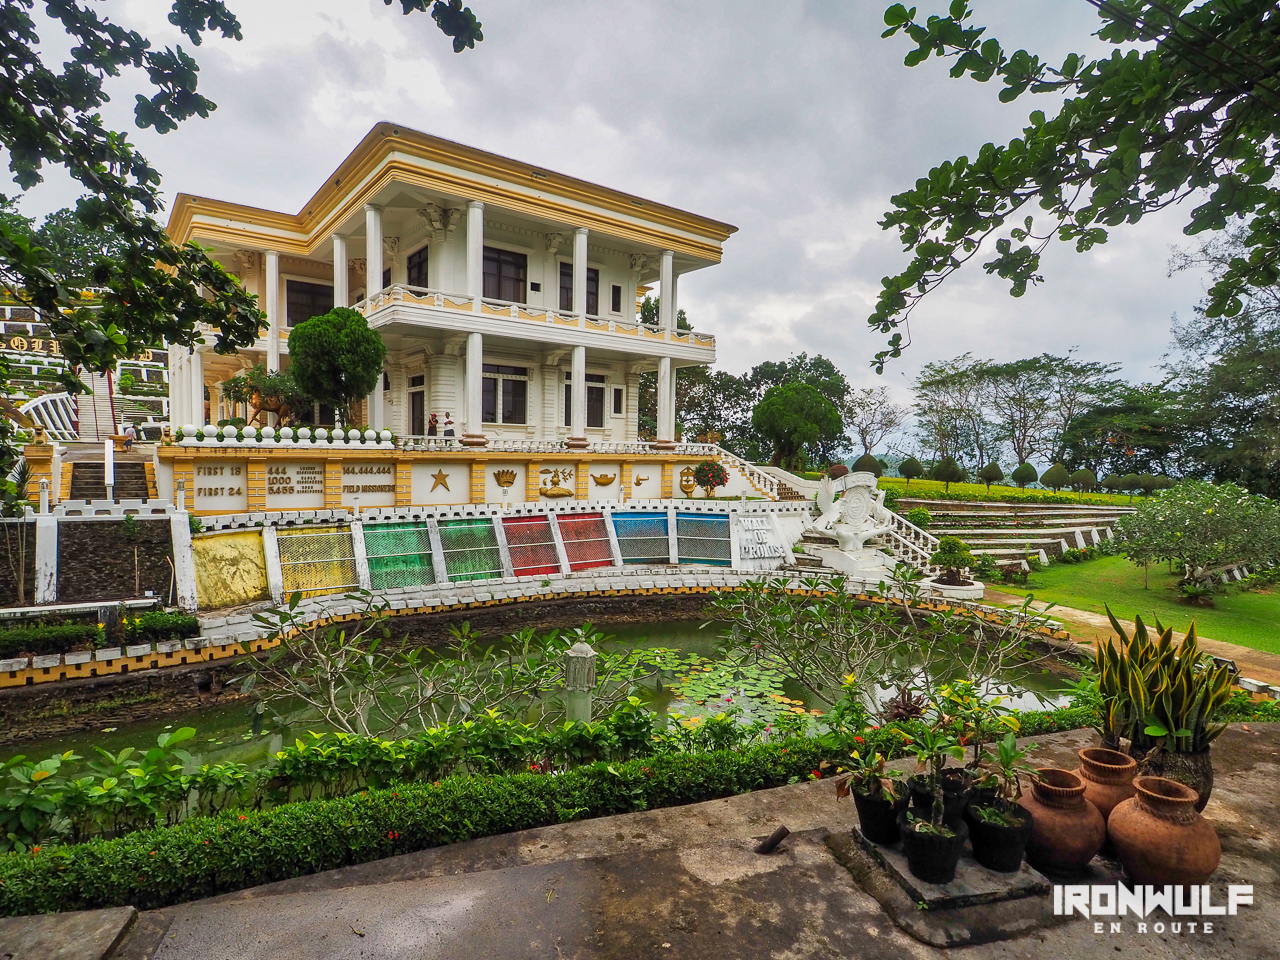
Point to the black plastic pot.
(932, 857)
(996, 846)
(955, 794)
(878, 816)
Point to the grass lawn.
(936, 490)
(1249, 618)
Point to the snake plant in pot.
(931, 843)
(1163, 696)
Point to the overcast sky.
(795, 121)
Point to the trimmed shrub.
(920, 517)
(1024, 474)
(1083, 480)
(1056, 477)
(156, 626)
(46, 639)
(990, 474)
(910, 469)
(948, 472)
(868, 464)
(837, 470)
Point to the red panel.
(586, 540)
(533, 551)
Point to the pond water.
(224, 732)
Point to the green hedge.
(46, 638)
(204, 857)
(157, 626)
(977, 493)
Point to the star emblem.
(441, 480)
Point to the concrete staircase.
(87, 481)
(95, 412)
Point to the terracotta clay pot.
(1108, 777)
(1161, 838)
(1194, 770)
(1066, 829)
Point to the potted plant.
(879, 800)
(999, 829)
(931, 844)
(954, 558)
(1163, 698)
(975, 718)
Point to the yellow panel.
(230, 569)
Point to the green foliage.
(1024, 474)
(793, 416)
(868, 464)
(1083, 480)
(336, 359)
(155, 626)
(977, 493)
(710, 474)
(952, 555)
(1056, 477)
(194, 523)
(1159, 120)
(1202, 527)
(910, 469)
(265, 392)
(948, 472)
(1158, 694)
(990, 474)
(920, 516)
(46, 639)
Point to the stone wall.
(96, 560)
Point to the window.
(386, 278)
(615, 299)
(302, 301)
(617, 401)
(417, 405)
(504, 274)
(595, 400)
(504, 394)
(416, 275)
(566, 289)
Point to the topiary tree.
(1083, 480)
(793, 416)
(1148, 483)
(910, 468)
(336, 359)
(954, 558)
(837, 470)
(1112, 483)
(710, 474)
(867, 464)
(1024, 474)
(1056, 477)
(990, 474)
(948, 472)
(920, 516)
(1130, 483)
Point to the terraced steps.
(88, 483)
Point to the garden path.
(1087, 627)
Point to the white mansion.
(506, 294)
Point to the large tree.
(795, 416)
(151, 289)
(871, 417)
(1187, 105)
(336, 359)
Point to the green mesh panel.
(317, 560)
(704, 539)
(470, 549)
(399, 555)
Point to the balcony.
(403, 304)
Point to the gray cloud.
(794, 121)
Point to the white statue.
(858, 516)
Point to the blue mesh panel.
(642, 537)
(704, 539)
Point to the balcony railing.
(528, 313)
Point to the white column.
(577, 389)
(373, 405)
(372, 248)
(475, 252)
(184, 565)
(46, 585)
(197, 386)
(473, 431)
(665, 433)
(666, 292)
(579, 282)
(671, 404)
(272, 283)
(341, 296)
